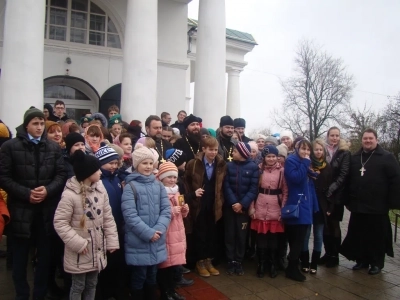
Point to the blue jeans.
(318, 231)
(141, 275)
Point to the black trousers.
(235, 234)
(204, 235)
(165, 279)
(296, 235)
(267, 240)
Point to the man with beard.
(154, 130)
(179, 123)
(190, 141)
(239, 125)
(226, 145)
(373, 189)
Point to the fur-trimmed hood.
(101, 117)
(343, 145)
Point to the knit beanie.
(269, 149)
(271, 139)
(84, 165)
(105, 154)
(71, 139)
(226, 121)
(258, 136)
(212, 132)
(244, 149)
(156, 156)
(282, 150)
(140, 155)
(204, 131)
(167, 169)
(115, 119)
(117, 149)
(32, 113)
(176, 156)
(253, 145)
(286, 133)
(5, 133)
(49, 124)
(239, 122)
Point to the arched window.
(80, 21)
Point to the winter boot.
(137, 294)
(150, 292)
(210, 268)
(314, 262)
(328, 250)
(272, 263)
(333, 261)
(261, 252)
(305, 261)
(293, 272)
(201, 269)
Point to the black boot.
(314, 262)
(272, 263)
(261, 262)
(333, 261)
(150, 292)
(305, 261)
(328, 250)
(293, 272)
(282, 252)
(137, 294)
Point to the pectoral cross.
(362, 170)
(230, 158)
(162, 160)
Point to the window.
(80, 21)
(64, 92)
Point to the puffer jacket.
(144, 216)
(267, 207)
(241, 183)
(301, 187)
(176, 238)
(99, 234)
(69, 168)
(25, 166)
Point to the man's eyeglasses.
(59, 107)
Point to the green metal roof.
(231, 33)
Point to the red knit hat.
(167, 169)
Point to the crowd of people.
(121, 211)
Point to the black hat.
(49, 108)
(32, 113)
(71, 139)
(239, 122)
(84, 165)
(190, 119)
(176, 156)
(226, 121)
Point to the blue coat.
(151, 212)
(296, 170)
(241, 183)
(114, 190)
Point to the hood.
(136, 176)
(343, 145)
(73, 185)
(101, 117)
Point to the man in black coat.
(32, 173)
(190, 141)
(374, 188)
(179, 123)
(154, 130)
(59, 112)
(224, 137)
(239, 125)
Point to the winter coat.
(225, 146)
(4, 215)
(378, 190)
(176, 238)
(322, 183)
(144, 216)
(68, 167)
(99, 234)
(113, 186)
(267, 207)
(245, 139)
(301, 187)
(241, 183)
(189, 150)
(25, 166)
(54, 118)
(194, 177)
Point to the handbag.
(290, 212)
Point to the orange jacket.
(4, 215)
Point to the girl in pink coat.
(265, 211)
(176, 238)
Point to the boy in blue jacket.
(240, 189)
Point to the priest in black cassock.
(373, 189)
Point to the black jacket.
(54, 118)
(189, 150)
(23, 167)
(225, 147)
(378, 189)
(180, 126)
(322, 184)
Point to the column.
(139, 77)
(188, 106)
(21, 84)
(233, 98)
(210, 87)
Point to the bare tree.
(317, 94)
(262, 130)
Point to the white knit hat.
(286, 133)
(140, 155)
(283, 150)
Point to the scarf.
(172, 190)
(317, 164)
(331, 152)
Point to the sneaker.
(184, 282)
(210, 268)
(239, 269)
(231, 268)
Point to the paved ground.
(337, 283)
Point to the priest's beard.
(226, 137)
(194, 136)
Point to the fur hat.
(105, 154)
(282, 150)
(271, 139)
(115, 119)
(239, 122)
(71, 139)
(244, 149)
(190, 119)
(286, 133)
(32, 113)
(140, 155)
(167, 169)
(226, 121)
(269, 149)
(84, 165)
(176, 156)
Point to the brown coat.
(194, 176)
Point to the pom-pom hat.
(167, 169)
(269, 149)
(84, 165)
(105, 154)
(243, 149)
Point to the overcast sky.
(364, 33)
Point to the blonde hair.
(83, 193)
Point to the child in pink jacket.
(265, 211)
(176, 238)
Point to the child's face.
(111, 166)
(281, 160)
(235, 136)
(126, 145)
(116, 129)
(146, 167)
(304, 151)
(77, 146)
(318, 151)
(287, 141)
(169, 181)
(236, 155)
(94, 139)
(271, 159)
(253, 153)
(95, 177)
(210, 152)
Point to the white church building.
(142, 55)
